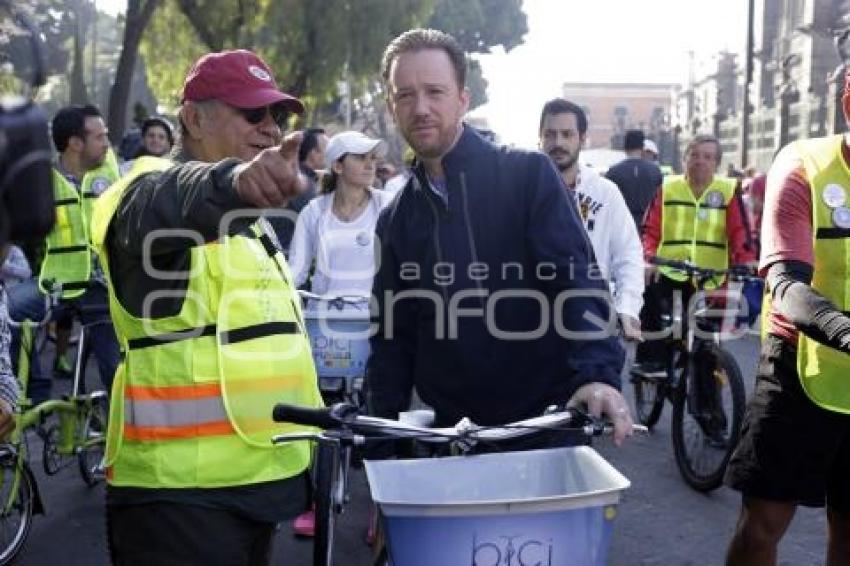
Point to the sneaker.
(62, 368)
(305, 524)
(372, 531)
(99, 470)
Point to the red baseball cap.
(239, 78)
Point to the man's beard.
(563, 166)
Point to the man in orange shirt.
(795, 443)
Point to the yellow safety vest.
(825, 372)
(695, 229)
(67, 258)
(192, 400)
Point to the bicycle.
(79, 434)
(338, 329)
(702, 381)
(343, 427)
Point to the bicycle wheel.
(17, 497)
(707, 415)
(649, 399)
(51, 459)
(93, 443)
(327, 480)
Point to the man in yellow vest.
(795, 442)
(698, 217)
(85, 167)
(211, 328)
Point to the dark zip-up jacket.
(454, 277)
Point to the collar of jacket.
(458, 157)
(181, 155)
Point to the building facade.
(799, 51)
(613, 108)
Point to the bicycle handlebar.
(736, 272)
(343, 416)
(324, 418)
(337, 301)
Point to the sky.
(595, 41)
(602, 41)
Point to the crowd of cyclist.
(333, 214)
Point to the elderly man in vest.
(85, 167)
(698, 217)
(211, 327)
(795, 442)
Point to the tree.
(169, 48)
(138, 15)
(54, 22)
(65, 25)
(313, 46)
(307, 43)
(82, 14)
(480, 25)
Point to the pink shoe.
(305, 524)
(371, 532)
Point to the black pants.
(658, 300)
(176, 534)
(790, 449)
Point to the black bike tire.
(98, 411)
(26, 500)
(656, 404)
(325, 463)
(49, 449)
(708, 482)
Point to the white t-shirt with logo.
(343, 252)
(614, 238)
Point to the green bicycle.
(73, 427)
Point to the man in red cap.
(209, 324)
(795, 441)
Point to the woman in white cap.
(336, 229)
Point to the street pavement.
(661, 521)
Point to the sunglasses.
(280, 115)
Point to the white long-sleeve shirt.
(343, 251)
(16, 268)
(614, 238)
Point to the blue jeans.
(27, 302)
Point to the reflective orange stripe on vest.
(172, 412)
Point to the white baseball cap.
(649, 145)
(357, 143)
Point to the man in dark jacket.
(637, 178)
(479, 250)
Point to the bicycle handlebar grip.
(320, 418)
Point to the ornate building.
(799, 49)
(613, 108)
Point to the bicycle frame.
(72, 411)
(700, 319)
(700, 376)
